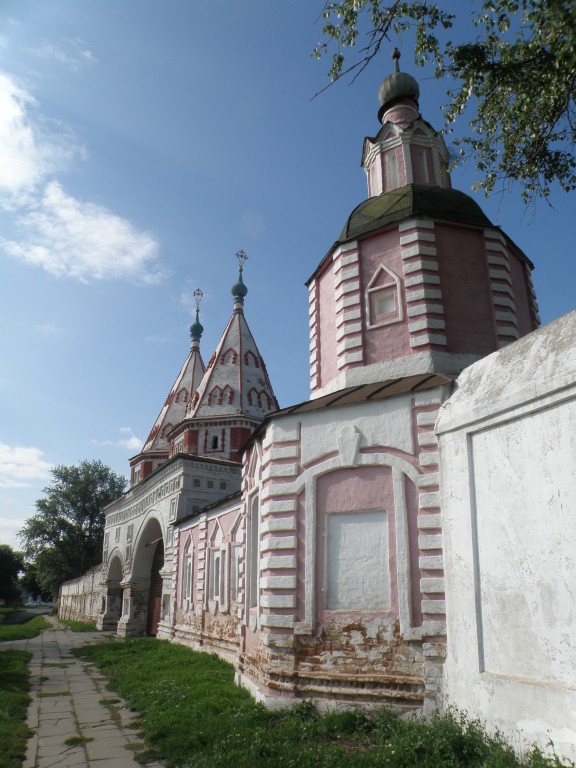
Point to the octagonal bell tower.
(419, 280)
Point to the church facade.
(305, 544)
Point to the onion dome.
(239, 290)
(397, 86)
(196, 328)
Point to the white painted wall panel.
(357, 561)
(525, 517)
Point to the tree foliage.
(517, 71)
(11, 564)
(64, 538)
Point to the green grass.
(14, 687)
(77, 741)
(78, 626)
(29, 629)
(192, 714)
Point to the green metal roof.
(409, 201)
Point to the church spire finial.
(396, 56)
(239, 290)
(196, 328)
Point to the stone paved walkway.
(67, 704)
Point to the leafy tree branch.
(512, 81)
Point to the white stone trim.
(416, 224)
(414, 236)
(425, 309)
(427, 322)
(419, 250)
(277, 542)
(347, 328)
(278, 601)
(349, 342)
(422, 279)
(350, 357)
(429, 459)
(434, 606)
(350, 287)
(279, 470)
(428, 338)
(346, 273)
(416, 266)
(432, 586)
(347, 301)
(431, 562)
(429, 500)
(430, 541)
(276, 620)
(282, 452)
(506, 317)
(427, 418)
(273, 507)
(278, 524)
(350, 258)
(429, 479)
(423, 293)
(278, 582)
(429, 521)
(500, 274)
(279, 562)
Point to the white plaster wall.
(508, 478)
(386, 423)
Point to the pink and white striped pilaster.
(500, 277)
(425, 308)
(349, 340)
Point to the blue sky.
(141, 145)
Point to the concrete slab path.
(71, 702)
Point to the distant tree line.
(64, 538)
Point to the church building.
(305, 544)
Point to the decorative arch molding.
(229, 357)
(348, 458)
(251, 359)
(383, 299)
(115, 555)
(151, 530)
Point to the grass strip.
(14, 699)
(30, 628)
(192, 714)
(78, 626)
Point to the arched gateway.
(142, 583)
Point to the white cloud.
(72, 53)
(28, 150)
(130, 441)
(85, 241)
(62, 235)
(20, 467)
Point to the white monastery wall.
(82, 599)
(508, 477)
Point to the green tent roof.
(409, 201)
